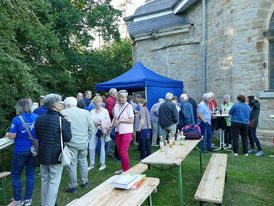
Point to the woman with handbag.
(22, 155)
(123, 123)
(145, 129)
(51, 129)
(98, 115)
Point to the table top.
(271, 116)
(175, 155)
(104, 194)
(221, 115)
(7, 143)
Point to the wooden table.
(3, 148)
(105, 195)
(174, 158)
(222, 133)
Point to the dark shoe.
(71, 190)
(85, 186)
(212, 150)
(204, 151)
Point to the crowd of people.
(108, 125)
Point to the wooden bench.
(137, 169)
(3, 176)
(105, 195)
(211, 187)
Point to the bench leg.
(201, 164)
(4, 191)
(225, 176)
(148, 170)
(201, 203)
(150, 200)
(180, 184)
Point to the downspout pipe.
(204, 49)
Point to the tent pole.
(146, 92)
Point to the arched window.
(270, 35)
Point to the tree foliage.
(43, 49)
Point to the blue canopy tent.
(141, 78)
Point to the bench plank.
(211, 187)
(4, 174)
(104, 194)
(137, 169)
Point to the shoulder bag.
(34, 147)
(66, 155)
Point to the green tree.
(42, 46)
(104, 64)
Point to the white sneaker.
(259, 153)
(16, 203)
(229, 146)
(246, 154)
(234, 154)
(27, 202)
(118, 172)
(102, 167)
(90, 167)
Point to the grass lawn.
(250, 180)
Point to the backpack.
(192, 132)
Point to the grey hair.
(72, 101)
(206, 96)
(122, 93)
(184, 96)
(227, 96)
(23, 106)
(211, 94)
(112, 91)
(169, 96)
(161, 100)
(51, 100)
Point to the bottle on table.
(169, 140)
(166, 148)
(162, 145)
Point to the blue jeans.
(207, 134)
(253, 138)
(144, 142)
(19, 160)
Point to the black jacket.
(168, 114)
(255, 112)
(194, 105)
(47, 131)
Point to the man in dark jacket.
(194, 105)
(168, 116)
(254, 120)
(48, 133)
(186, 115)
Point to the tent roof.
(139, 76)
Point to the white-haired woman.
(22, 155)
(48, 132)
(98, 116)
(123, 122)
(227, 105)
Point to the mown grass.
(250, 180)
